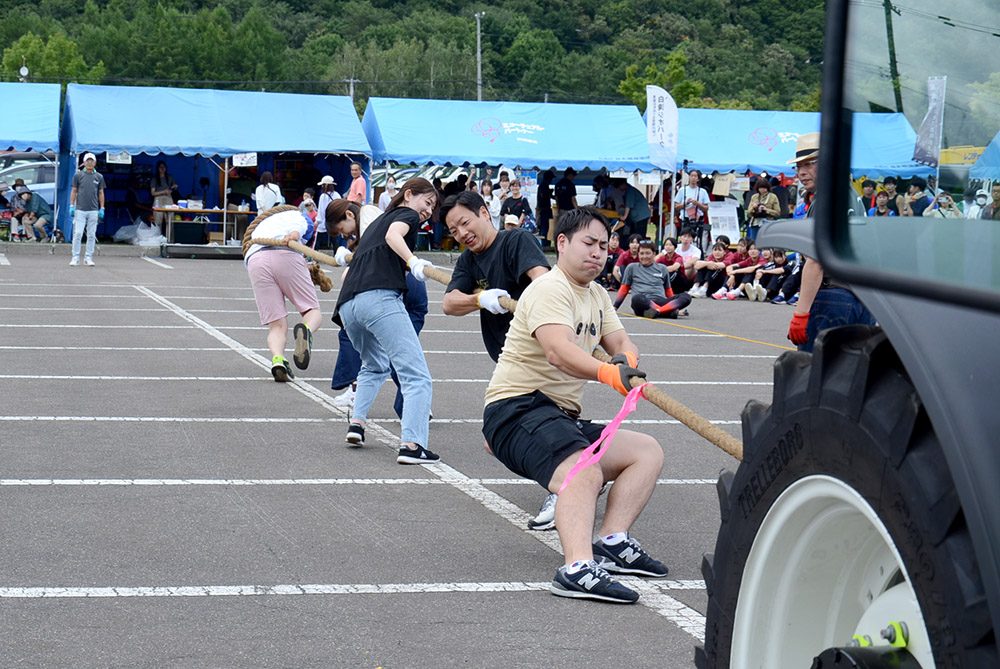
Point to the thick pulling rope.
(686, 416)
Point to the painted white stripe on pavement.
(157, 262)
(307, 589)
(316, 379)
(3, 260)
(47, 326)
(284, 482)
(257, 419)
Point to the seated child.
(742, 272)
(711, 272)
(769, 277)
(674, 264)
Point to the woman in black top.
(371, 309)
(162, 189)
(518, 205)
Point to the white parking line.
(653, 588)
(285, 482)
(3, 260)
(157, 262)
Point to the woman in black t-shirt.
(518, 205)
(371, 309)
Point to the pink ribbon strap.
(596, 450)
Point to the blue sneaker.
(778, 299)
(591, 582)
(793, 299)
(628, 557)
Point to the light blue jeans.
(81, 219)
(379, 327)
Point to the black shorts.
(531, 435)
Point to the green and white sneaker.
(281, 370)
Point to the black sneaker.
(280, 370)
(355, 435)
(629, 558)
(303, 345)
(591, 582)
(415, 456)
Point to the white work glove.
(490, 300)
(341, 256)
(417, 266)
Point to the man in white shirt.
(692, 201)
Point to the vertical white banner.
(928, 147)
(661, 128)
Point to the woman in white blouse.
(268, 194)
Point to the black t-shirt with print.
(374, 265)
(503, 265)
(565, 192)
(515, 206)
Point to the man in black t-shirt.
(566, 191)
(494, 264)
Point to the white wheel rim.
(822, 569)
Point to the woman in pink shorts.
(276, 273)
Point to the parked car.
(10, 158)
(40, 177)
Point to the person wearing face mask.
(978, 204)
(371, 308)
(390, 192)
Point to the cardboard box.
(215, 237)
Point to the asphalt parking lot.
(165, 503)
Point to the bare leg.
(634, 462)
(576, 508)
(313, 319)
(277, 335)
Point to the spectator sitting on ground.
(37, 214)
(628, 256)
(675, 265)
(653, 297)
(743, 271)
(768, 279)
(689, 252)
(710, 272)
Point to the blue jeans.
(376, 322)
(349, 362)
(832, 308)
(83, 219)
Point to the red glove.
(622, 292)
(797, 329)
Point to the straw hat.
(806, 148)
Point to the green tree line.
(749, 54)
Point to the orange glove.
(618, 377)
(622, 292)
(797, 329)
(628, 358)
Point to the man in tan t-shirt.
(531, 421)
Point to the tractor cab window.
(921, 114)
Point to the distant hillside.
(762, 54)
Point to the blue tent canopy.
(764, 141)
(987, 166)
(29, 117)
(528, 135)
(191, 121)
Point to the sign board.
(722, 216)
(120, 158)
(618, 174)
(740, 183)
(245, 160)
(650, 179)
(723, 184)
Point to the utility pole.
(351, 82)
(479, 55)
(893, 70)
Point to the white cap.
(511, 219)
(326, 181)
(89, 156)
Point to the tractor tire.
(842, 518)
